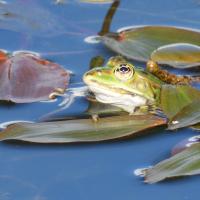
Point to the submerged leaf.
(174, 98)
(25, 77)
(140, 41)
(189, 115)
(184, 163)
(81, 130)
(179, 55)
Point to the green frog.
(121, 84)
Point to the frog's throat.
(118, 97)
(102, 88)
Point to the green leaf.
(189, 115)
(196, 127)
(184, 163)
(186, 143)
(81, 130)
(97, 108)
(139, 42)
(179, 55)
(175, 97)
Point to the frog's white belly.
(127, 102)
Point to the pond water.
(84, 171)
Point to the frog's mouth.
(116, 96)
(108, 90)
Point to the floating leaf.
(81, 130)
(140, 41)
(187, 116)
(185, 144)
(25, 77)
(196, 127)
(184, 163)
(97, 108)
(179, 55)
(174, 98)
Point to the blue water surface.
(84, 171)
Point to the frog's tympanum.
(121, 84)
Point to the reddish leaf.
(25, 77)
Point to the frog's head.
(120, 77)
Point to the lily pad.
(139, 42)
(81, 130)
(25, 77)
(181, 146)
(184, 163)
(189, 115)
(175, 97)
(179, 55)
(196, 127)
(97, 108)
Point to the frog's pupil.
(124, 69)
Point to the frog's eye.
(124, 72)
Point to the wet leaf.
(175, 97)
(187, 116)
(140, 41)
(184, 163)
(196, 127)
(25, 77)
(181, 146)
(81, 130)
(179, 55)
(97, 108)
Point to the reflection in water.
(97, 1)
(106, 24)
(68, 99)
(18, 16)
(108, 18)
(59, 1)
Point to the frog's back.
(150, 77)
